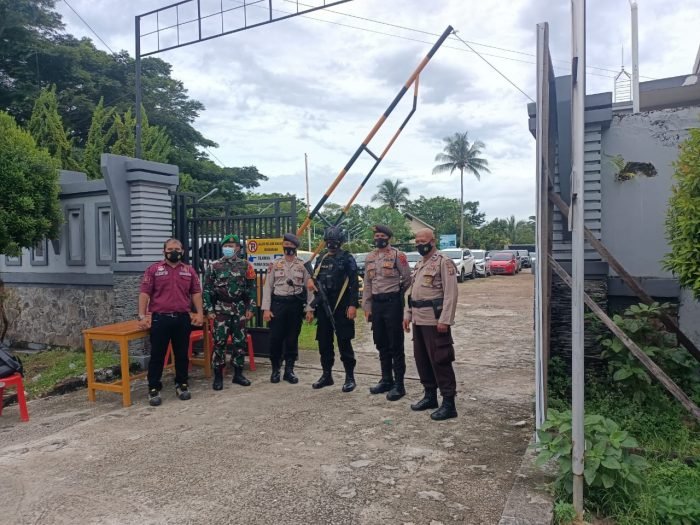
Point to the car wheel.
(460, 277)
(473, 277)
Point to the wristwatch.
(141, 317)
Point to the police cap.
(290, 237)
(382, 228)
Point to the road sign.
(448, 241)
(262, 252)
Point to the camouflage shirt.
(229, 280)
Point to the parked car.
(360, 260)
(483, 265)
(533, 259)
(504, 262)
(524, 258)
(413, 258)
(464, 260)
(518, 260)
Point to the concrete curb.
(528, 503)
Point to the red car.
(503, 263)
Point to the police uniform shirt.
(276, 282)
(386, 271)
(433, 279)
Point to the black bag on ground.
(9, 364)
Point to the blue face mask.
(228, 251)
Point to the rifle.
(321, 296)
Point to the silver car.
(483, 268)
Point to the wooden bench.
(122, 333)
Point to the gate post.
(140, 192)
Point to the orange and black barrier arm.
(412, 80)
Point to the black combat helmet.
(334, 233)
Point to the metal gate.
(201, 226)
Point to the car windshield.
(360, 257)
(413, 256)
(478, 254)
(452, 254)
(501, 257)
(522, 252)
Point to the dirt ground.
(288, 454)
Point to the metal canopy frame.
(180, 24)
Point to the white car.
(413, 258)
(483, 267)
(464, 260)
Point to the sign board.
(448, 241)
(262, 252)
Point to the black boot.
(238, 377)
(326, 379)
(397, 391)
(289, 375)
(385, 383)
(429, 400)
(275, 376)
(218, 383)
(446, 411)
(349, 384)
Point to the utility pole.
(635, 57)
(576, 222)
(308, 201)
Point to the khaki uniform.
(387, 277)
(433, 300)
(287, 303)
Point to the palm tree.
(393, 194)
(460, 154)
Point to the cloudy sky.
(316, 84)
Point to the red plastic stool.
(16, 381)
(195, 335)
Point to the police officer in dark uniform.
(336, 273)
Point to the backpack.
(9, 364)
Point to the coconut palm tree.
(393, 194)
(460, 154)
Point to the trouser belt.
(386, 297)
(435, 304)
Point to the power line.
(494, 67)
(429, 33)
(89, 27)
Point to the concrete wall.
(634, 211)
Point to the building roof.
(412, 217)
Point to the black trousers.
(345, 332)
(167, 329)
(388, 335)
(434, 352)
(285, 327)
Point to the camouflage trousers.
(229, 321)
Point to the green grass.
(666, 433)
(307, 337)
(44, 370)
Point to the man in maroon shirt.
(168, 289)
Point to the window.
(39, 254)
(75, 228)
(105, 242)
(11, 260)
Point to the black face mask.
(381, 243)
(290, 251)
(173, 256)
(424, 249)
(333, 245)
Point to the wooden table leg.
(206, 345)
(89, 368)
(126, 383)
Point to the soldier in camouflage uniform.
(229, 299)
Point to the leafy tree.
(443, 214)
(29, 207)
(460, 154)
(683, 216)
(392, 193)
(394, 219)
(155, 144)
(97, 139)
(46, 127)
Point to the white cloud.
(307, 86)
